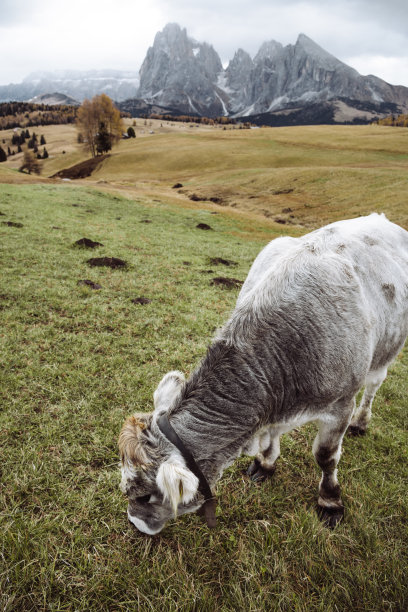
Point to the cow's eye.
(144, 499)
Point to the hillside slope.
(300, 176)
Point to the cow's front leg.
(327, 451)
(264, 464)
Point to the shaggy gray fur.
(318, 318)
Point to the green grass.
(75, 362)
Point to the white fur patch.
(332, 503)
(141, 525)
(128, 473)
(176, 482)
(167, 390)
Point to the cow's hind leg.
(362, 415)
(327, 451)
(264, 464)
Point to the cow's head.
(154, 474)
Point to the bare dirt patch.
(110, 262)
(87, 243)
(214, 199)
(227, 283)
(282, 191)
(203, 226)
(12, 224)
(142, 301)
(81, 170)
(216, 261)
(89, 283)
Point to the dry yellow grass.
(304, 176)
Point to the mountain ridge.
(76, 84)
(187, 76)
(278, 78)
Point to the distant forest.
(395, 121)
(25, 114)
(190, 119)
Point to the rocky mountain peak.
(268, 50)
(236, 77)
(307, 46)
(172, 31)
(239, 68)
(171, 39)
(179, 71)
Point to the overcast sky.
(370, 35)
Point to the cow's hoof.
(330, 517)
(356, 430)
(257, 473)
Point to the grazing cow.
(318, 318)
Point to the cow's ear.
(177, 483)
(168, 389)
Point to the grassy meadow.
(75, 361)
(300, 176)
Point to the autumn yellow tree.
(30, 163)
(100, 123)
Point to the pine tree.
(103, 140)
(42, 140)
(3, 156)
(45, 153)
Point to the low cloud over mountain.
(296, 83)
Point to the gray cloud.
(349, 27)
(369, 33)
(15, 11)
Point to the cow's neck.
(225, 402)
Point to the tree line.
(192, 119)
(98, 120)
(394, 120)
(26, 114)
(32, 153)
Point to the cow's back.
(337, 295)
(378, 250)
